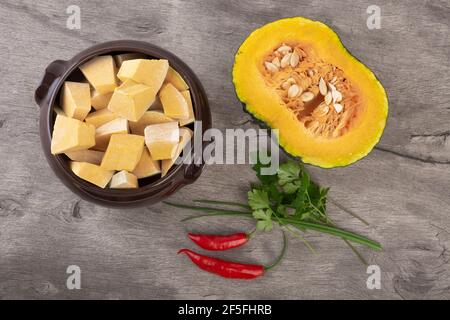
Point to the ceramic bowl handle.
(53, 71)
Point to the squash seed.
(293, 91)
(321, 110)
(294, 59)
(328, 98)
(338, 107)
(337, 96)
(276, 62)
(322, 87)
(285, 60)
(307, 96)
(284, 49)
(271, 67)
(310, 72)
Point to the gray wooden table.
(401, 188)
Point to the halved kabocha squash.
(296, 76)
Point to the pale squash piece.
(175, 78)
(71, 134)
(91, 173)
(104, 132)
(149, 72)
(100, 100)
(120, 58)
(149, 117)
(100, 117)
(162, 139)
(185, 137)
(90, 156)
(131, 100)
(146, 166)
(174, 104)
(75, 99)
(124, 152)
(101, 73)
(123, 180)
(187, 95)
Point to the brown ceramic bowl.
(152, 189)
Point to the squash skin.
(266, 106)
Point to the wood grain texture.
(401, 188)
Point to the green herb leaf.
(258, 199)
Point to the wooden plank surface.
(401, 188)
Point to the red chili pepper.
(219, 243)
(233, 270)
(224, 268)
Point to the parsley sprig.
(289, 198)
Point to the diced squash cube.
(175, 78)
(149, 117)
(104, 132)
(71, 134)
(92, 173)
(123, 180)
(120, 58)
(124, 152)
(75, 99)
(91, 156)
(100, 117)
(174, 104)
(146, 166)
(101, 73)
(162, 139)
(100, 100)
(185, 137)
(149, 72)
(187, 95)
(131, 100)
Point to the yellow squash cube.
(162, 139)
(187, 95)
(100, 117)
(71, 134)
(149, 117)
(104, 132)
(91, 173)
(149, 72)
(91, 156)
(174, 104)
(146, 166)
(124, 152)
(75, 99)
(100, 100)
(185, 136)
(131, 100)
(101, 73)
(175, 78)
(123, 180)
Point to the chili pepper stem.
(251, 234)
(281, 256)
